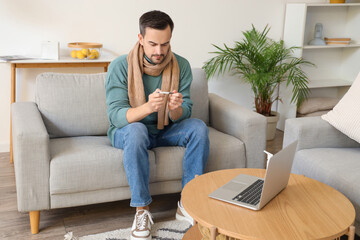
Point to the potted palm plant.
(264, 64)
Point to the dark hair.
(155, 19)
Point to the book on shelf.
(337, 41)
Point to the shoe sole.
(183, 218)
(140, 238)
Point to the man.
(148, 99)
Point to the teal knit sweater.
(117, 94)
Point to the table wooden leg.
(351, 234)
(13, 99)
(213, 232)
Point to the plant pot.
(271, 125)
(337, 1)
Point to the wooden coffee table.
(306, 209)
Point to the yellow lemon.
(73, 53)
(85, 51)
(95, 52)
(92, 56)
(80, 55)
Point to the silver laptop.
(253, 192)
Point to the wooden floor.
(83, 220)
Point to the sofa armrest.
(314, 132)
(242, 123)
(31, 157)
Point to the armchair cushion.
(345, 116)
(72, 104)
(90, 163)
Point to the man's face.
(156, 43)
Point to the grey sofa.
(63, 158)
(325, 154)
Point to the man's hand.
(175, 100)
(155, 101)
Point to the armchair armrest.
(242, 123)
(31, 157)
(314, 132)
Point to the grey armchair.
(327, 155)
(63, 158)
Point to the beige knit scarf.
(138, 65)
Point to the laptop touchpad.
(234, 186)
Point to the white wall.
(198, 24)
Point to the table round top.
(305, 209)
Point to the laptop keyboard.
(251, 195)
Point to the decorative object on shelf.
(50, 50)
(85, 50)
(318, 38)
(337, 41)
(264, 64)
(337, 1)
(316, 106)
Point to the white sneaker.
(182, 215)
(141, 228)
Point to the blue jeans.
(134, 139)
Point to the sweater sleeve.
(184, 88)
(116, 89)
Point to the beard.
(157, 58)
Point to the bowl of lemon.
(85, 50)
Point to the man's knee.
(198, 127)
(137, 133)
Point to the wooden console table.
(62, 63)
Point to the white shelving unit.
(336, 65)
(330, 46)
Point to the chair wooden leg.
(34, 221)
(351, 234)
